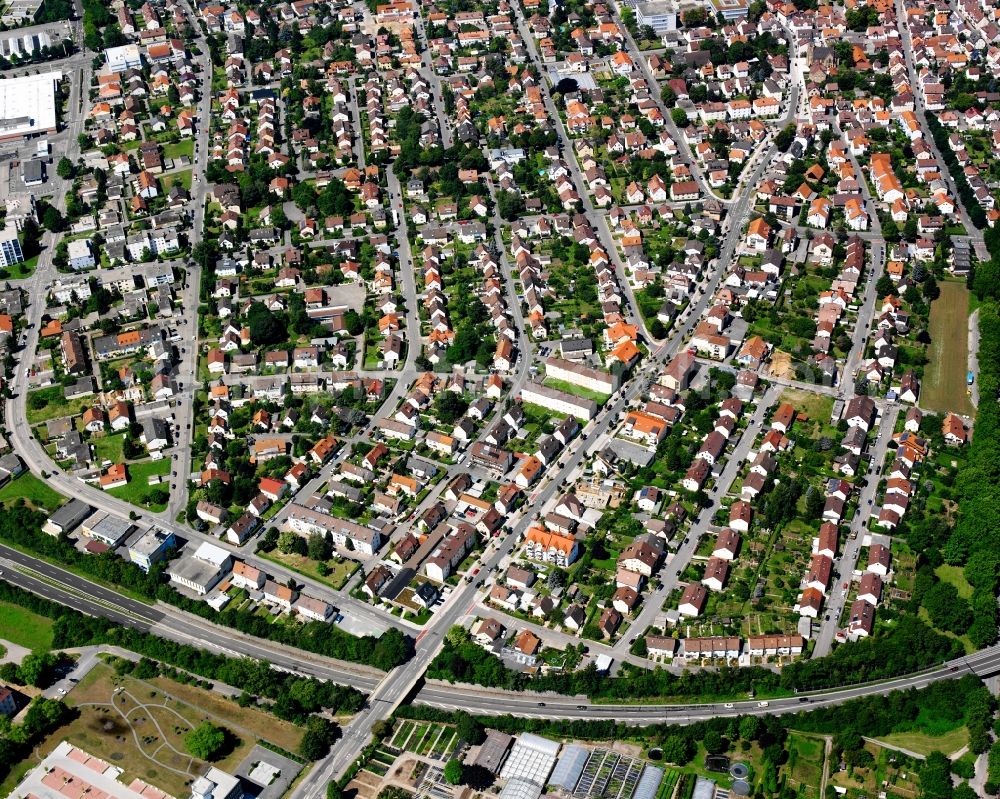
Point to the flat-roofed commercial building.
(731, 9)
(28, 105)
(660, 15)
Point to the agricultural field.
(944, 386)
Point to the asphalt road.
(983, 663)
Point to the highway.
(482, 701)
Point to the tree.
(784, 139)
(964, 791)
(935, 777)
(931, 290)
(42, 715)
(453, 772)
(848, 741)
(38, 669)
(319, 547)
(469, 729)
(382, 729)
(353, 323)
(450, 407)
(814, 503)
(265, 327)
(679, 117)
(304, 195)
(884, 286)
(509, 205)
(65, 168)
(52, 220)
(715, 744)
(290, 542)
(946, 609)
(456, 635)
(695, 17)
(750, 727)
(205, 741)
(319, 736)
(30, 238)
(677, 749)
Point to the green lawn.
(109, 448)
(805, 763)
(944, 387)
(340, 570)
(578, 391)
(23, 269)
(49, 403)
(32, 490)
(179, 149)
(924, 744)
(25, 628)
(167, 181)
(956, 576)
(138, 490)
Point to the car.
(729, 705)
(804, 699)
(541, 704)
(844, 586)
(581, 707)
(762, 704)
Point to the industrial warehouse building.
(28, 105)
